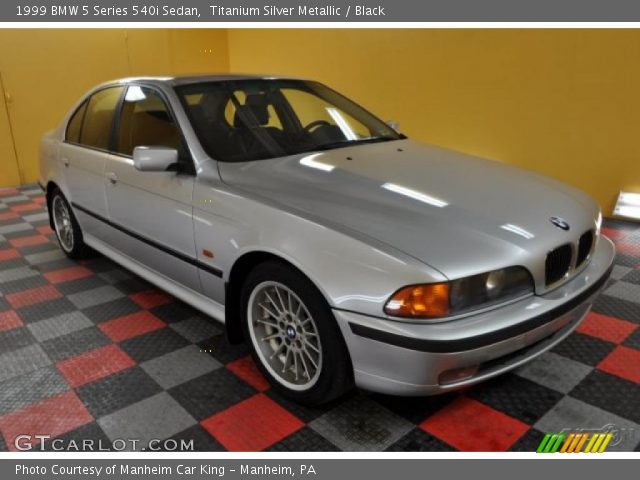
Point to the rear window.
(74, 126)
(96, 127)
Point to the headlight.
(469, 293)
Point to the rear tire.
(66, 227)
(294, 338)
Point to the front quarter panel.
(353, 273)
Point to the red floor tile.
(33, 296)
(607, 328)
(26, 207)
(53, 416)
(613, 234)
(246, 369)
(67, 274)
(252, 425)
(44, 230)
(9, 253)
(8, 215)
(9, 191)
(151, 298)
(469, 425)
(40, 199)
(28, 241)
(122, 328)
(93, 365)
(623, 362)
(9, 320)
(627, 248)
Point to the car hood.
(457, 213)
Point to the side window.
(75, 124)
(96, 128)
(145, 121)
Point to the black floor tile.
(117, 391)
(304, 440)
(220, 349)
(110, 310)
(517, 397)
(633, 340)
(528, 442)
(211, 393)
(415, 409)
(611, 393)
(28, 283)
(584, 348)
(305, 413)
(75, 343)
(88, 438)
(81, 285)
(193, 439)
(153, 344)
(48, 309)
(14, 339)
(617, 307)
(417, 440)
(174, 312)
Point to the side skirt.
(196, 300)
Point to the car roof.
(197, 78)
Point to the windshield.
(242, 120)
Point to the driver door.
(151, 211)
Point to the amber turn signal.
(430, 300)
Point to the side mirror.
(393, 124)
(154, 159)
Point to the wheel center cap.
(291, 332)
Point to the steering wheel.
(315, 124)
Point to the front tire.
(294, 338)
(66, 227)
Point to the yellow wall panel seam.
(11, 135)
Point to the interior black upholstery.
(254, 113)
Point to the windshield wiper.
(347, 143)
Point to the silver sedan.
(341, 251)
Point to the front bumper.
(403, 358)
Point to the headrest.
(254, 111)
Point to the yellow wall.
(45, 71)
(563, 102)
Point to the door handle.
(113, 178)
(65, 162)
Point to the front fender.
(352, 272)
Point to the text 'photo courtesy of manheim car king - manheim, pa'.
(342, 252)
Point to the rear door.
(152, 211)
(84, 153)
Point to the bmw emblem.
(291, 332)
(560, 223)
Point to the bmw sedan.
(341, 251)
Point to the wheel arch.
(49, 189)
(233, 287)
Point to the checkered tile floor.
(90, 351)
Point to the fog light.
(457, 375)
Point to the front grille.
(584, 247)
(557, 264)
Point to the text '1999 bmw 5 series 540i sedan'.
(342, 252)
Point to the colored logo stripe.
(550, 443)
(574, 442)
